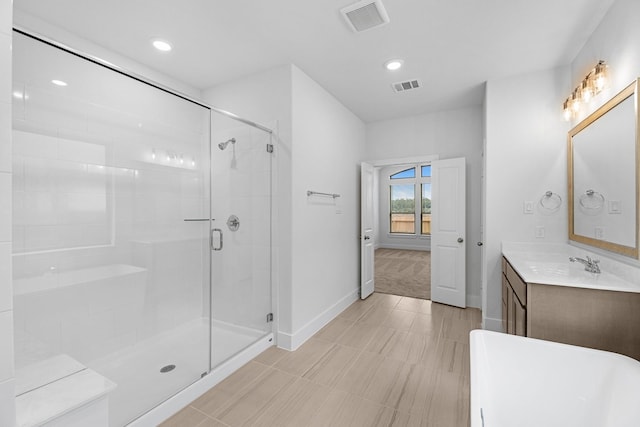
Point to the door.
(448, 277)
(241, 296)
(367, 248)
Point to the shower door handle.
(213, 248)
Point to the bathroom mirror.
(603, 176)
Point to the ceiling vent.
(404, 86)
(365, 15)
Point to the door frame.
(377, 164)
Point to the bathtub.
(525, 382)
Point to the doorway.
(403, 241)
(397, 221)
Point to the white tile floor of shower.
(136, 369)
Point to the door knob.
(460, 240)
(480, 243)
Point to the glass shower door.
(241, 238)
(109, 274)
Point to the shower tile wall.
(7, 411)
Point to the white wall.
(7, 407)
(526, 140)
(328, 145)
(319, 146)
(525, 156)
(448, 134)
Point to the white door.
(367, 250)
(448, 277)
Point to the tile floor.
(385, 361)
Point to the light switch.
(539, 232)
(528, 207)
(599, 232)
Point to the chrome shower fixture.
(223, 145)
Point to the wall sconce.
(591, 85)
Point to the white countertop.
(548, 264)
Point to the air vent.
(365, 15)
(404, 86)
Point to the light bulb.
(575, 101)
(600, 76)
(566, 110)
(586, 90)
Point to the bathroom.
(318, 145)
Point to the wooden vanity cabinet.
(594, 318)
(514, 297)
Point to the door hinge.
(269, 317)
(269, 148)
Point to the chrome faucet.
(590, 265)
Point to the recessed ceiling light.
(393, 64)
(161, 45)
(58, 82)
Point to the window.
(407, 173)
(403, 207)
(410, 198)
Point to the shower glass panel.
(108, 274)
(241, 208)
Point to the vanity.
(547, 297)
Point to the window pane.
(425, 170)
(407, 173)
(426, 208)
(403, 209)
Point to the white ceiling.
(452, 46)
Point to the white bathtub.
(524, 382)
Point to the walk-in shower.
(117, 193)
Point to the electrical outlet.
(528, 207)
(539, 232)
(599, 233)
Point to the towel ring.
(550, 201)
(591, 200)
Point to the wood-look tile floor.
(385, 361)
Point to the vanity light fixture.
(393, 64)
(591, 85)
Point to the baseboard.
(474, 301)
(405, 247)
(492, 324)
(292, 341)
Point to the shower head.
(223, 145)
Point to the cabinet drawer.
(519, 286)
